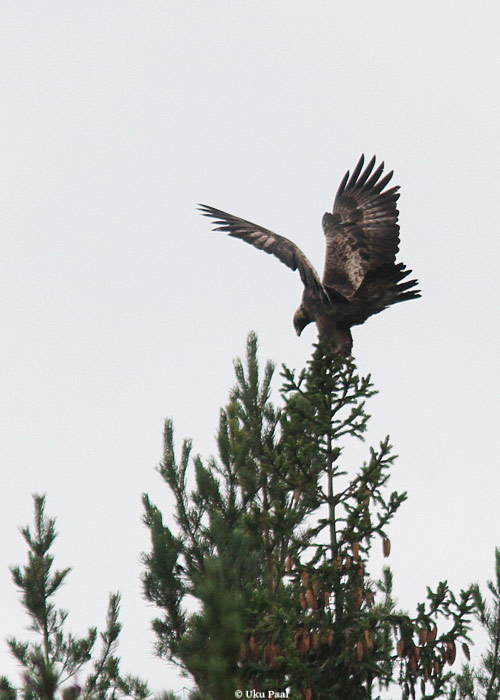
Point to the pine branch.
(58, 656)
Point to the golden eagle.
(361, 276)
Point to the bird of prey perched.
(361, 276)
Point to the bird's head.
(301, 320)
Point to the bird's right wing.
(279, 246)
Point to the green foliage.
(7, 691)
(264, 583)
(483, 682)
(53, 665)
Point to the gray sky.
(120, 307)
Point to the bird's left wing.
(362, 232)
(279, 246)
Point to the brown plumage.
(361, 276)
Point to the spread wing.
(279, 246)
(362, 232)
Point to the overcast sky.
(120, 307)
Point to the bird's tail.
(381, 288)
(397, 290)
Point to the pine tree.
(272, 543)
(483, 682)
(53, 665)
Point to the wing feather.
(279, 246)
(362, 232)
